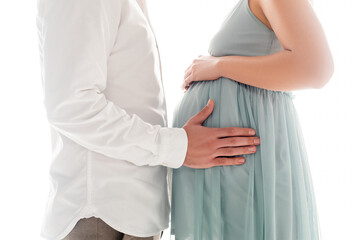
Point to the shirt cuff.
(173, 147)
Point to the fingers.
(234, 151)
(186, 88)
(185, 85)
(200, 56)
(187, 69)
(187, 81)
(220, 161)
(224, 161)
(234, 131)
(201, 116)
(187, 73)
(237, 141)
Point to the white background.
(329, 116)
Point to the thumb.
(201, 116)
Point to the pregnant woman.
(264, 50)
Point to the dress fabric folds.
(271, 196)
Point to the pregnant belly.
(236, 104)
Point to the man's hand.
(209, 147)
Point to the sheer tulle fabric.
(271, 196)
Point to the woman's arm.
(305, 62)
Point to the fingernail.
(257, 141)
(241, 161)
(252, 132)
(252, 149)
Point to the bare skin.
(258, 12)
(306, 61)
(209, 147)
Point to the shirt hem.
(121, 229)
(128, 231)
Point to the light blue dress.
(270, 197)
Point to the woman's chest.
(242, 33)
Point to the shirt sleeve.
(75, 40)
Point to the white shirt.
(105, 103)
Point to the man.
(105, 103)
